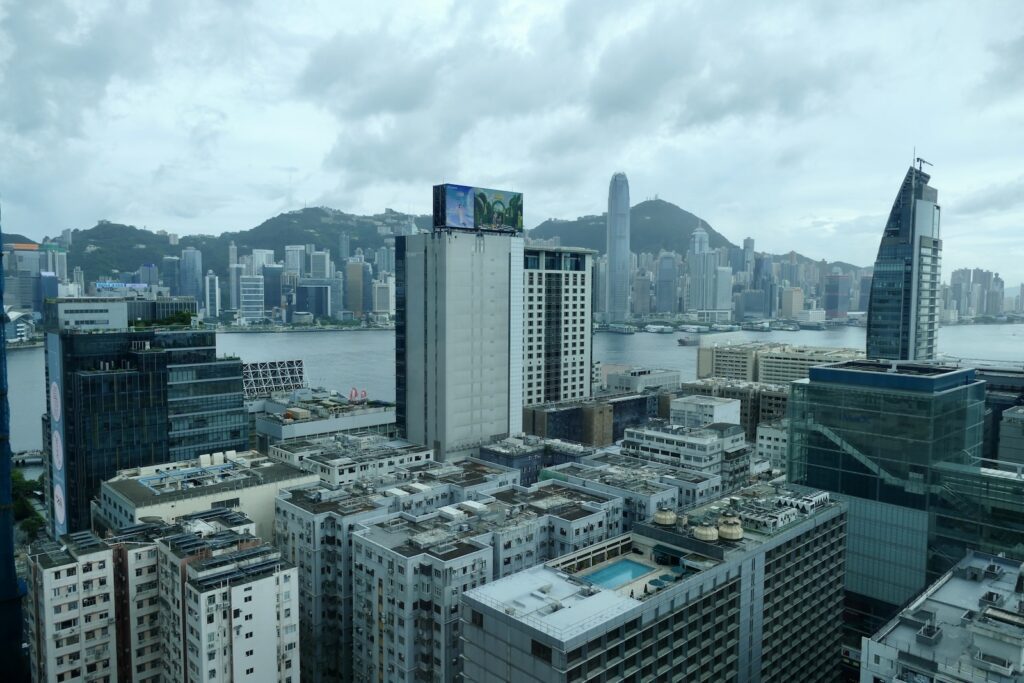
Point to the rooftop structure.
(966, 627)
(759, 401)
(349, 457)
(530, 454)
(698, 411)
(240, 481)
(716, 449)
(270, 377)
(598, 609)
(769, 362)
(317, 413)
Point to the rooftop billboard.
(477, 208)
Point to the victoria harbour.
(364, 360)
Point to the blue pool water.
(618, 574)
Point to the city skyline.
(814, 151)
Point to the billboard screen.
(477, 208)
(58, 478)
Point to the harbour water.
(366, 359)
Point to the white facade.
(92, 314)
(773, 443)
(460, 338)
(635, 380)
(294, 259)
(211, 295)
(557, 323)
(700, 411)
(250, 298)
(70, 610)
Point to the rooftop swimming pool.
(618, 573)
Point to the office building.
(965, 628)
(260, 258)
(773, 443)
(247, 482)
(716, 450)
(792, 302)
(837, 295)
(170, 274)
(530, 454)
(459, 337)
(232, 254)
(759, 401)
(320, 265)
(772, 363)
(1011, 436)
(358, 287)
(211, 295)
(273, 285)
(235, 274)
(314, 528)
(732, 361)
(624, 378)
(702, 264)
(902, 444)
(557, 323)
(704, 596)
(129, 398)
(410, 571)
(618, 250)
(384, 297)
(250, 299)
(295, 259)
(191, 275)
(666, 284)
(903, 314)
(700, 411)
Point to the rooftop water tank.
(730, 529)
(705, 532)
(665, 517)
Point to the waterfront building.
(965, 628)
(700, 411)
(459, 337)
(837, 295)
(772, 363)
(731, 361)
(246, 482)
(250, 299)
(666, 284)
(314, 527)
(410, 571)
(358, 287)
(123, 397)
(317, 413)
(191, 275)
(618, 250)
(792, 302)
(273, 285)
(633, 379)
(557, 324)
(211, 295)
(902, 443)
(708, 596)
(320, 265)
(903, 314)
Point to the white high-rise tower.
(618, 249)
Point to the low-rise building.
(530, 454)
(966, 627)
(700, 411)
(598, 422)
(346, 458)
(747, 588)
(759, 402)
(247, 482)
(318, 413)
(717, 449)
(773, 443)
(636, 379)
(695, 488)
(768, 362)
(409, 572)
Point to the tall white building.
(294, 258)
(260, 258)
(211, 295)
(250, 298)
(459, 338)
(619, 269)
(320, 265)
(557, 321)
(702, 264)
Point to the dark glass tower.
(126, 398)
(903, 312)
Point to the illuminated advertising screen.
(58, 515)
(477, 208)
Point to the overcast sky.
(793, 123)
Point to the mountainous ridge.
(107, 247)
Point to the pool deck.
(634, 588)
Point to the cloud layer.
(792, 124)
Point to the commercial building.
(773, 443)
(531, 454)
(409, 572)
(211, 295)
(708, 597)
(759, 401)
(767, 362)
(597, 422)
(314, 526)
(250, 299)
(618, 250)
(345, 458)
(247, 482)
(966, 627)
(717, 449)
(1011, 436)
(901, 442)
(318, 413)
(695, 488)
(837, 295)
(621, 378)
(459, 337)
(700, 411)
(123, 398)
(792, 302)
(557, 323)
(191, 275)
(903, 313)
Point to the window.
(477, 619)
(541, 651)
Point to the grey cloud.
(1006, 77)
(993, 199)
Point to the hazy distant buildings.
(903, 314)
(294, 259)
(792, 302)
(837, 295)
(191, 275)
(666, 286)
(618, 308)
(250, 299)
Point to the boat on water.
(688, 341)
(620, 328)
(660, 329)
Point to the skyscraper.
(250, 299)
(294, 259)
(191, 275)
(459, 326)
(667, 284)
(232, 254)
(903, 313)
(618, 249)
(702, 264)
(211, 295)
(170, 273)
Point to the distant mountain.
(15, 238)
(654, 225)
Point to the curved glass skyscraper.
(903, 315)
(618, 249)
